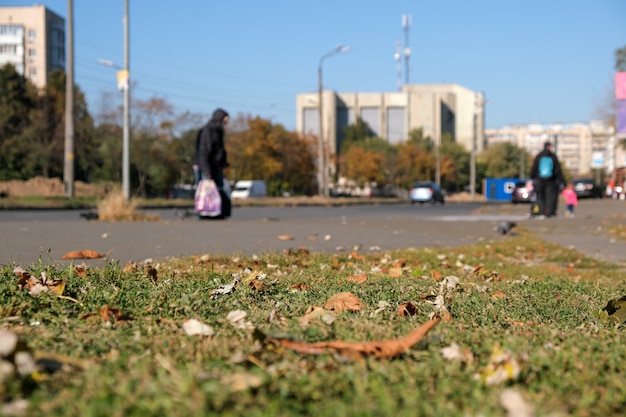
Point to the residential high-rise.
(33, 40)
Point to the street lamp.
(322, 175)
(123, 78)
(123, 85)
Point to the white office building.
(436, 109)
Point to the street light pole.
(322, 175)
(68, 165)
(126, 138)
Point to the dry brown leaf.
(130, 268)
(298, 287)
(36, 286)
(358, 279)
(355, 255)
(379, 349)
(398, 263)
(407, 309)
(436, 275)
(395, 272)
(111, 313)
(498, 294)
(258, 285)
(344, 301)
(81, 271)
(285, 237)
(84, 254)
(313, 313)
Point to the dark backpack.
(546, 167)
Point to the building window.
(12, 30)
(311, 119)
(396, 125)
(371, 116)
(8, 49)
(32, 53)
(32, 34)
(32, 72)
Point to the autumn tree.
(259, 149)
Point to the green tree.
(620, 59)
(354, 134)
(503, 160)
(17, 96)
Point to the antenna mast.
(398, 57)
(406, 25)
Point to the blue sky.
(537, 61)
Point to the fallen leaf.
(111, 313)
(194, 327)
(379, 349)
(285, 237)
(316, 313)
(399, 263)
(503, 366)
(395, 272)
(81, 271)
(454, 352)
(615, 311)
(407, 309)
(358, 279)
(515, 405)
(355, 255)
(242, 381)
(498, 294)
(344, 301)
(298, 287)
(84, 254)
(130, 268)
(436, 275)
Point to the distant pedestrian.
(571, 200)
(547, 177)
(211, 158)
(532, 197)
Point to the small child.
(571, 199)
(532, 197)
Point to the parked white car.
(249, 189)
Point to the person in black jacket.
(548, 178)
(211, 158)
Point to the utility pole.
(68, 165)
(473, 154)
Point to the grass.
(117, 335)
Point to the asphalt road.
(35, 236)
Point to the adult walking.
(211, 155)
(547, 177)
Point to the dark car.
(426, 191)
(587, 188)
(522, 192)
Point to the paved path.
(323, 229)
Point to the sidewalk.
(589, 232)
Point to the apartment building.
(436, 109)
(33, 40)
(581, 148)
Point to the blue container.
(499, 189)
